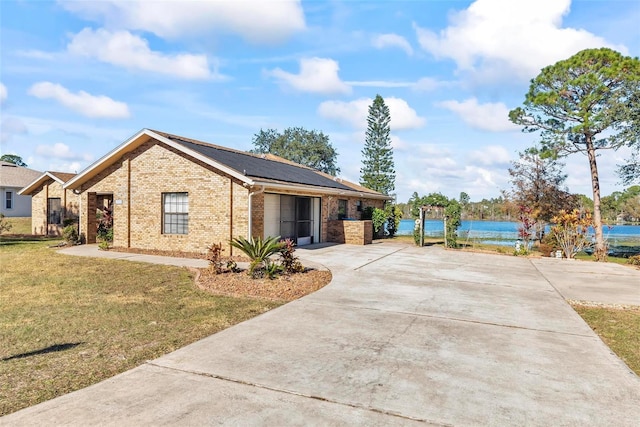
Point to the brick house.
(168, 192)
(51, 204)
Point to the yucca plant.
(258, 250)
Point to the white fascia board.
(229, 171)
(125, 146)
(322, 190)
(109, 157)
(37, 182)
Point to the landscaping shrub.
(416, 235)
(570, 230)
(549, 245)
(634, 260)
(258, 251)
(214, 256)
(70, 234)
(5, 225)
(290, 262)
(453, 213)
(394, 216)
(378, 218)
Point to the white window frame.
(8, 200)
(175, 213)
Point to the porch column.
(89, 218)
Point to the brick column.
(89, 218)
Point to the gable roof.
(60, 177)
(251, 169)
(258, 167)
(16, 176)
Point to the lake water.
(506, 233)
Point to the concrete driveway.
(402, 336)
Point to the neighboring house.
(12, 179)
(172, 193)
(51, 204)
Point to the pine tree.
(377, 172)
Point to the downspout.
(79, 194)
(230, 215)
(251, 194)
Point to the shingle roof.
(63, 176)
(258, 166)
(37, 183)
(16, 176)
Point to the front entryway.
(293, 217)
(100, 217)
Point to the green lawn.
(18, 225)
(619, 329)
(67, 322)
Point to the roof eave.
(26, 191)
(322, 190)
(106, 160)
(135, 141)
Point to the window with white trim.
(175, 213)
(8, 199)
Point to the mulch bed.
(286, 287)
(283, 288)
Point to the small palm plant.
(258, 250)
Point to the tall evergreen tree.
(581, 105)
(378, 172)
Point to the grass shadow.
(50, 349)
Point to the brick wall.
(218, 204)
(68, 200)
(350, 232)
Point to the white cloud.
(382, 41)
(82, 102)
(317, 75)
(61, 151)
(354, 113)
(36, 54)
(380, 83)
(3, 93)
(256, 21)
(398, 144)
(490, 155)
(490, 116)
(10, 127)
(427, 84)
(72, 167)
(126, 50)
(494, 38)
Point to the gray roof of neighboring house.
(16, 176)
(257, 166)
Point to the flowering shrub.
(525, 229)
(290, 262)
(570, 230)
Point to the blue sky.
(77, 78)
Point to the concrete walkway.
(402, 336)
(95, 252)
